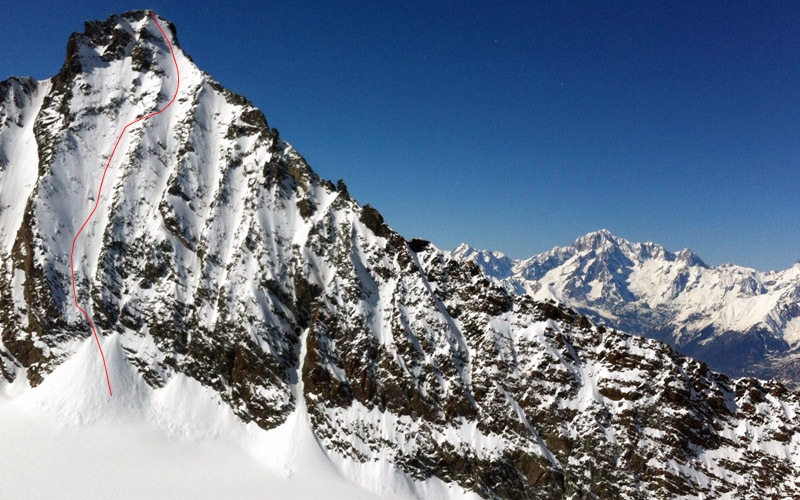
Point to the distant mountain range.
(738, 320)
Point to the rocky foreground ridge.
(217, 253)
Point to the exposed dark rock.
(374, 221)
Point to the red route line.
(100, 189)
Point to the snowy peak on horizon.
(605, 242)
(496, 264)
(602, 244)
(711, 312)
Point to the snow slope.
(66, 439)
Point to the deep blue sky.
(507, 125)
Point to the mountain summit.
(233, 286)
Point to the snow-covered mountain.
(738, 320)
(243, 300)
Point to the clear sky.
(513, 126)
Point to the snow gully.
(100, 189)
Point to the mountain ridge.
(227, 278)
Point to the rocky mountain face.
(219, 255)
(738, 320)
